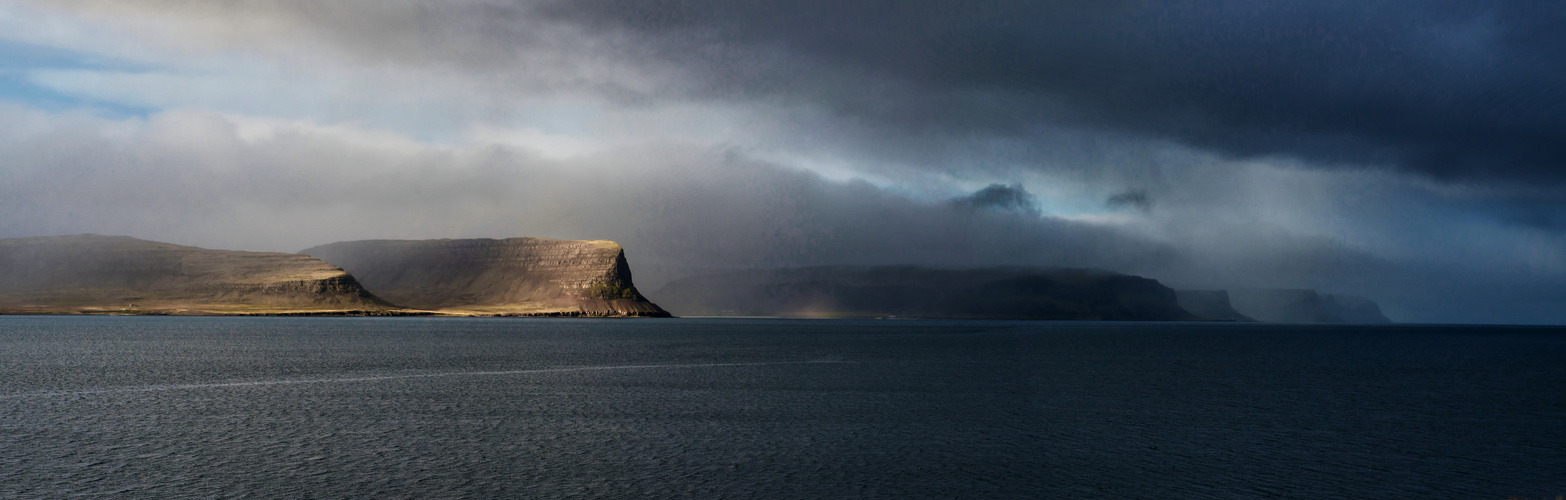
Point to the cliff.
(120, 274)
(1210, 304)
(1305, 306)
(912, 292)
(505, 277)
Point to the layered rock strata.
(502, 277)
(120, 274)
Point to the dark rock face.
(1305, 306)
(911, 292)
(1210, 304)
(91, 273)
(508, 277)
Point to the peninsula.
(92, 274)
(495, 277)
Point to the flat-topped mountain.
(513, 276)
(98, 274)
(913, 292)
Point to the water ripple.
(373, 378)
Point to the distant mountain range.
(991, 293)
(88, 274)
(913, 292)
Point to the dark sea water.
(692, 408)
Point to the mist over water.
(413, 407)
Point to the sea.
(274, 407)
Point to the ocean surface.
(163, 407)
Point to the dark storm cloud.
(1450, 89)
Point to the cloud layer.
(1458, 88)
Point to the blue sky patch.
(18, 60)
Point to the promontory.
(86, 274)
(495, 277)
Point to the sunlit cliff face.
(512, 276)
(1405, 153)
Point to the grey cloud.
(194, 178)
(1453, 89)
(498, 47)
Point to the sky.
(1410, 152)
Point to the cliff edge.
(119, 274)
(499, 277)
